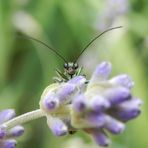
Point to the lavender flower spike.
(7, 135)
(97, 107)
(107, 105)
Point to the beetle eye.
(75, 65)
(65, 65)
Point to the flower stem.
(24, 118)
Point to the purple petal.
(16, 131)
(9, 143)
(6, 115)
(99, 104)
(102, 72)
(65, 91)
(101, 138)
(114, 126)
(57, 126)
(123, 80)
(118, 95)
(79, 104)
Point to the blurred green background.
(27, 67)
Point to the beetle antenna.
(46, 45)
(95, 39)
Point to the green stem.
(24, 118)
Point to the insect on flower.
(71, 69)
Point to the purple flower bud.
(16, 131)
(79, 104)
(2, 133)
(136, 102)
(9, 143)
(65, 91)
(102, 72)
(57, 126)
(96, 120)
(123, 80)
(118, 95)
(128, 114)
(128, 110)
(51, 102)
(101, 138)
(6, 115)
(5, 133)
(79, 80)
(114, 126)
(99, 104)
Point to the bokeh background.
(27, 67)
